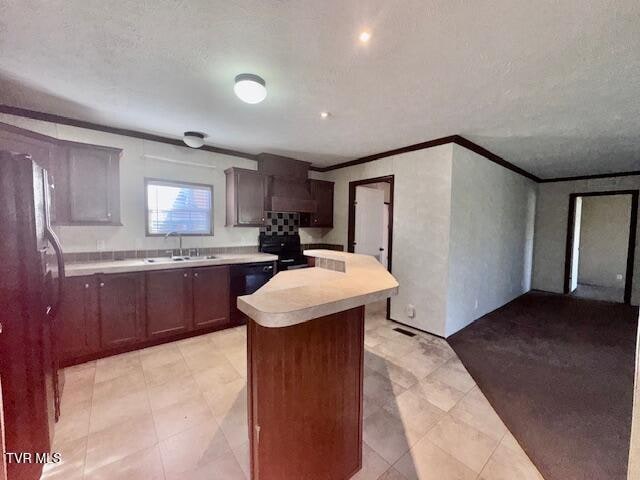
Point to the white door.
(370, 207)
(575, 260)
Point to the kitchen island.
(305, 366)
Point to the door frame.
(628, 283)
(351, 228)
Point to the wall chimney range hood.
(287, 187)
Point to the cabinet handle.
(185, 275)
(101, 284)
(86, 285)
(195, 274)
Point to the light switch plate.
(410, 311)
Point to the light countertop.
(140, 265)
(296, 296)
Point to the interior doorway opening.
(370, 227)
(601, 236)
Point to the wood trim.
(590, 177)
(474, 147)
(633, 222)
(457, 139)
(351, 225)
(49, 117)
(396, 151)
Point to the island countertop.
(140, 265)
(296, 296)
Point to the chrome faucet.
(176, 234)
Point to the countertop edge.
(77, 270)
(288, 319)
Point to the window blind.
(178, 207)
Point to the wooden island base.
(305, 398)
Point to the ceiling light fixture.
(250, 88)
(325, 114)
(365, 36)
(193, 139)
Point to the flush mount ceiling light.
(325, 114)
(193, 139)
(364, 36)
(250, 88)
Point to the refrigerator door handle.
(55, 243)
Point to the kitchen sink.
(178, 259)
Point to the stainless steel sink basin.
(178, 259)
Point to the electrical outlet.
(475, 305)
(619, 276)
(410, 311)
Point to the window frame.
(173, 183)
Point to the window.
(184, 208)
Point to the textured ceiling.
(551, 86)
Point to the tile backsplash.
(75, 257)
(281, 223)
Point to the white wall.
(135, 165)
(551, 230)
(422, 207)
(491, 237)
(604, 240)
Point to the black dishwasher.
(246, 279)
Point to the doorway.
(601, 237)
(370, 227)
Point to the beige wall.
(551, 230)
(422, 204)
(604, 240)
(463, 231)
(491, 239)
(140, 159)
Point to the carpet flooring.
(559, 371)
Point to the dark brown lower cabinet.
(169, 305)
(121, 306)
(78, 334)
(211, 297)
(106, 314)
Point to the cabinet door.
(120, 298)
(322, 193)
(210, 296)
(250, 193)
(77, 320)
(169, 304)
(93, 185)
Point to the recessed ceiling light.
(325, 114)
(364, 36)
(194, 139)
(250, 88)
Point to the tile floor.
(178, 411)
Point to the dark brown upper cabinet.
(246, 191)
(84, 179)
(89, 178)
(322, 194)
